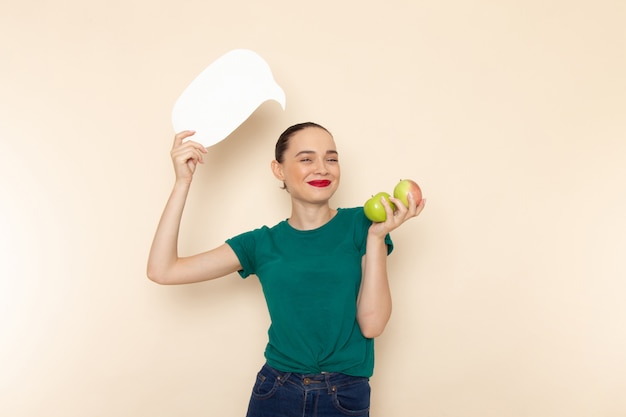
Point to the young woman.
(323, 272)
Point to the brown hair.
(283, 140)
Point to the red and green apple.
(406, 187)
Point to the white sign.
(224, 95)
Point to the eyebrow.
(306, 152)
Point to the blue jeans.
(286, 394)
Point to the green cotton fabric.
(311, 281)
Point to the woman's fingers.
(396, 215)
(183, 146)
(179, 141)
(403, 213)
(414, 208)
(186, 155)
(420, 207)
(181, 136)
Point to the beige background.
(508, 290)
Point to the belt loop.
(329, 384)
(283, 377)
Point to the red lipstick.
(319, 183)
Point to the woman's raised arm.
(164, 264)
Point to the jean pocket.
(265, 385)
(353, 399)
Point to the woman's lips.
(319, 183)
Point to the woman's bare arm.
(164, 264)
(374, 300)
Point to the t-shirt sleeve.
(244, 246)
(389, 243)
(363, 226)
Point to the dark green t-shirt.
(311, 280)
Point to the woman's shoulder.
(351, 211)
(354, 216)
(255, 233)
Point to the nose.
(321, 168)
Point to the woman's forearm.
(374, 300)
(164, 251)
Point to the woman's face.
(310, 167)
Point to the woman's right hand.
(186, 156)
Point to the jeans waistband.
(329, 380)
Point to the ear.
(277, 170)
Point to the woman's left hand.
(397, 217)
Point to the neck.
(310, 217)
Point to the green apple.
(406, 187)
(374, 209)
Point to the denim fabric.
(286, 394)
